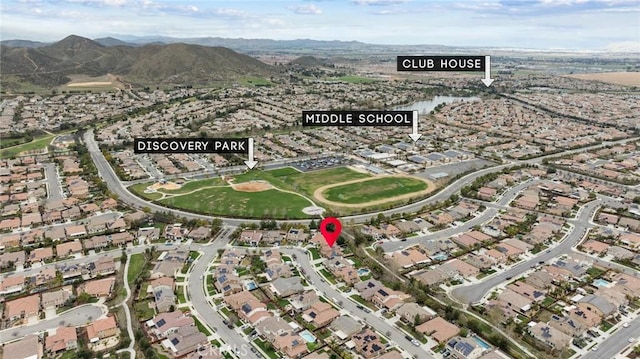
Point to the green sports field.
(303, 182)
(374, 190)
(213, 196)
(227, 201)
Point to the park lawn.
(229, 202)
(308, 182)
(380, 188)
(36, 144)
(284, 171)
(267, 176)
(138, 190)
(302, 182)
(136, 266)
(195, 185)
(12, 141)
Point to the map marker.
(330, 228)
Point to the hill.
(173, 64)
(110, 41)
(22, 43)
(310, 61)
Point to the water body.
(425, 107)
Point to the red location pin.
(330, 228)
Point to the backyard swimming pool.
(601, 283)
(306, 335)
(363, 271)
(482, 343)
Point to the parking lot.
(321, 163)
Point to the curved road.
(198, 296)
(115, 185)
(77, 316)
(581, 224)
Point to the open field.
(139, 190)
(284, 171)
(281, 193)
(373, 192)
(90, 84)
(308, 182)
(37, 144)
(303, 182)
(136, 265)
(225, 200)
(194, 185)
(618, 78)
(99, 83)
(12, 141)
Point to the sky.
(534, 24)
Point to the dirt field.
(317, 194)
(167, 185)
(252, 187)
(618, 78)
(90, 84)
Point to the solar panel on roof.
(175, 341)
(161, 322)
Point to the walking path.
(127, 312)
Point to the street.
(77, 316)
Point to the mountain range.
(50, 65)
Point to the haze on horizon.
(612, 25)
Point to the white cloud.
(309, 9)
(100, 2)
(230, 12)
(379, 2)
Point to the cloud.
(555, 7)
(227, 12)
(379, 2)
(309, 9)
(99, 3)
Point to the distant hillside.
(49, 66)
(255, 45)
(22, 43)
(110, 41)
(310, 61)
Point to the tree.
(417, 320)
(313, 224)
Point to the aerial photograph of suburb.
(320, 179)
